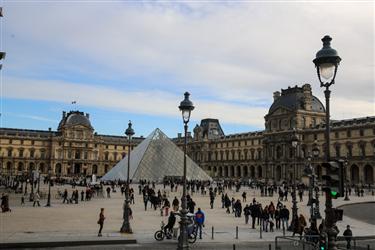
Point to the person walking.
(246, 212)
(101, 221)
(348, 234)
(199, 220)
(36, 199)
(65, 196)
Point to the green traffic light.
(334, 194)
(322, 248)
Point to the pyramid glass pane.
(156, 157)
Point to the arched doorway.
(278, 173)
(94, 169)
(9, 167)
(238, 173)
(58, 168)
(369, 174)
(252, 172)
(106, 168)
(231, 171)
(31, 166)
(20, 167)
(245, 171)
(226, 171)
(260, 174)
(354, 174)
(220, 172)
(77, 168)
(42, 168)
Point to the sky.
(133, 60)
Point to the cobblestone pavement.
(70, 222)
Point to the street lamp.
(315, 152)
(294, 222)
(326, 63)
(49, 188)
(186, 106)
(31, 197)
(126, 228)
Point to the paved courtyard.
(70, 222)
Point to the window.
(10, 141)
(349, 133)
(106, 146)
(10, 152)
(315, 137)
(363, 149)
(361, 133)
(21, 152)
(32, 153)
(337, 148)
(69, 154)
(86, 155)
(336, 134)
(350, 150)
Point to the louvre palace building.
(75, 149)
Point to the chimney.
(307, 96)
(88, 115)
(49, 129)
(276, 95)
(179, 135)
(64, 114)
(188, 134)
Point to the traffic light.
(322, 241)
(334, 179)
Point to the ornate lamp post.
(31, 197)
(346, 180)
(315, 152)
(186, 106)
(326, 63)
(294, 198)
(126, 228)
(49, 188)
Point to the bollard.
(237, 232)
(261, 225)
(234, 246)
(269, 247)
(368, 247)
(212, 236)
(283, 230)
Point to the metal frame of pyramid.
(153, 159)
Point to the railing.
(312, 242)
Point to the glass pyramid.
(155, 158)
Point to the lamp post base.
(125, 228)
(183, 238)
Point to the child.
(271, 225)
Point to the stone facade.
(74, 149)
(269, 154)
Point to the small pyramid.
(155, 158)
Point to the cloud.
(33, 117)
(230, 56)
(156, 103)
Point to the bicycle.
(161, 234)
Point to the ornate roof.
(294, 99)
(74, 118)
